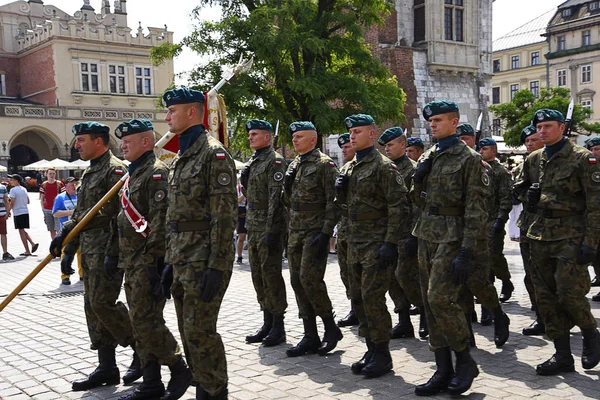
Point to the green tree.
(518, 113)
(311, 61)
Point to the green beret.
(343, 139)
(527, 131)
(358, 120)
(390, 134)
(488, 141)
(546, 114)
(132, 127)
(438, 107)
(465, 130)
(91, 127)
(301, 126)
(258, 124)
(182, 96)
(414, 141)
(592, 142)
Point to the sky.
(511, 14)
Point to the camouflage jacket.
(454, 198)
(525, 218)
(202, 203)
(147, 190)
(98, 236)
(310, 202)
(570, 185)
(342, 207)
(500, 203)
(406, 167)
(265, 211)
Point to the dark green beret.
(592, 142)
(258, 124)
(546, 114)
(527, 131)
(488, 141)
(343, 139)
(132, 127)
(358, 120)
(438, 107)
(84, 128)
(390, 134)
(301, 126)
(182, 96)
(414, 141)
(465, 130)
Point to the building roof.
(524, 35)
(571, 3)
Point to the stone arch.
(33, 143)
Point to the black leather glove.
(244, 174)
(111, 264)
(534, 194)
(411, 246)
(273, 242)
(422, 170)
(166, 280)
(212, 279)
(65, 264)
(498, 227)
(56, 244)
(288, 179)
(321, 243)
(387, 255)
(341, 185)
(461, 264)
(155, 282)
(586, 255)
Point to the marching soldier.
(414, 148)
(309, 194)
(593, 145)
(141, 229)
(466, 134)
(107, 319)
(201, 215)
(561, 184)
(262, 181)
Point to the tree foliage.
(518, 113)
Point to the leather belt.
(367, 216)
(258, 206)
(445, 211)
(547, 213)
(308, 206)
(189, 226)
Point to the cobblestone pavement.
(44, 344)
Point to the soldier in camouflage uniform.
(107, 319)
(414, 148)
(141, 230)
(262, 181)
(309, 194)
(404, 285)
(200, 219)
(376, 198)
(450, 185)
(561, 184)
(593, 145)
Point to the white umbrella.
(239, 164)
(80, 164)
(41, 164)
(3, 168)
(57, 163)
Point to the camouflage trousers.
(342, 254)
(524, 244)
(445, 318)
(197, 321)
(266, 274)
(497, 259)
(478, 283)
(560, 286)
(153, 340)
(107, 319)
(397, 293)
(407, 275)
(368, 286)
(306, 275)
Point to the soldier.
(404, 285)
(342, 236)
(593, 145)
(107, 319)
(561, 184)
(309, 194)
(414, 148)
(141, 230)
(451, 185)
(261, 183)
(466, 134)
(201, 215)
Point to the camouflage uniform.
(107, 319)
(499, 206)
(140, 256)
(341, 249)
(200, 224)
(567, 216)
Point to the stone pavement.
(44, 344)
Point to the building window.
(586, 103)
(116, 78)
(566, 12)
(561, 77)
(89, 77)
(496, 66)
(534, 87)
(586, 73)
(586, 38)
(419, 27)
(513, 90)
(535, 58)
(514, 62)
(454, 20)
(593, 6)
(496, 95)
(143, 80)
(562, 43)
(2, 85)
(496, 127)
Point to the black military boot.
(561, 361)
(276, 334)
(590, 355)
(501, 323)
(107, 372)
(201, 394)
(358, 366)
(181, 379)
(423, 329)
(442, 375)
(134, 372)
(331, 337)
(264, 329)
(537, 328)
(472, 342)
(486, 317)
(404, 329)
(151, 387)
(310, 343)
(380, 362)
(349, 320)
(507, 290)
(466, 372)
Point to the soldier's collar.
(196, 146)
(99, 160)
(140, 162)
(400, 159)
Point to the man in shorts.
(63, 207)
(6, 256)
(18, 205)
(48, 192)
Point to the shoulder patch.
(592, 160)
(394, 166)
(119, 172)
(485, 179)
(596, 177)
(277, 162)
(159, 195)
(331, 164)
(224, 178)
(157, 177)
(278, 176)
(220, 155)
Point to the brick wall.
(37, 74)
(10, 68)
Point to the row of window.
(117, 78)
(586, 40)
(454, 20)
(515, 61)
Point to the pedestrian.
(309, 194)
(201, 219)
(561, 184)
(48, 192)
(262, 181)
(4, 200)
(39, 179)
(107, 318)
(240, 227)
(593, 145)
(18, 207)
(414, 148)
